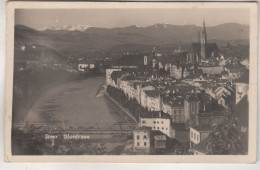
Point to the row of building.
(186, 95)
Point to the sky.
(110, 18)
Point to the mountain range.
(67, 28)
(82, 40)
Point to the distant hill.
(36, 53)
(128, 38)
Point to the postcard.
(134, 82)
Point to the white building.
(157, 121)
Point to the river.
(72, 103)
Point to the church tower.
(203, 42)
(154, 58)
(145, 60)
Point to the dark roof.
(155, 114)
(205, 128)
(178, 126)
(152, 93)
(156, 133)
(143, 128)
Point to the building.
(191, 108)
(175, 108)
(211, 118)
(157, 120)
(238, 122)
(153, 100)
(198, 134)
(141, 137)
(160, 142)
(242, 87)
(180, 132)
(179, 71)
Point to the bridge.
(89, 128)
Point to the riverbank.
(126, 111)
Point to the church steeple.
(154, 58)
(204, 32)
(203, 42)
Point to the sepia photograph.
(134, 79)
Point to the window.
(162, 128)
(197, 137)
(166, 128)
(179, 111)
(157, 127)
(144, 143)
(175, 112)
(194, 136)
(138, 144)
(143, 122)
(154, 122)
(154, 127)
(144, 136)
(191, 134)
(138, 137)
(157, 122)
(162, 122)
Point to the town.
(196, 96)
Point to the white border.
(250, 158)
